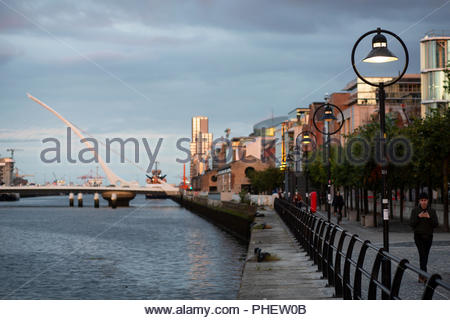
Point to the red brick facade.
(233, 176)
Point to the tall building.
(434, 58)
(359, 101)
(6, 171)
(201, 141)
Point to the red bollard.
(313, 201)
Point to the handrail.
(318, 237)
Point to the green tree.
(266, 180)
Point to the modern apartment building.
(434, 59)
(359, 101)
(200, 146)
(6, 171)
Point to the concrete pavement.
(291, 275)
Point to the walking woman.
(423, 220)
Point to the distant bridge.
(116, 196)
(52, 189)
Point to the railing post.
(358, 273)
(325, 248)
(330, 272)
(337, 265)
(348, 256)
(398, 279)
(318, 247)
(372, 292)
(430, 286)
(312, 224)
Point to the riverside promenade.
(289, 273)
(401, 244)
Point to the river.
(154, 249)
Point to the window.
(249, 171)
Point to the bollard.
(80, 200)
(71, 199)
(96, 200)
(114, 200)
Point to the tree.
(266, 180)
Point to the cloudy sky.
(143, 68)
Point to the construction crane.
(12, 150)
(58, 182)
(19, 179)
(91, 180)
(22, 175)
(184, 185)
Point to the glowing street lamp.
(327, 117)
(381, 54)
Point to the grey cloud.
(286, 16)
(216, 58)
(8, 52)
(18, 140)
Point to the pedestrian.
(423, 220)
(298, 200)
(338, 203)
(280, 194)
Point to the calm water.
(153, 250)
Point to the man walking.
(423, 220)
(338, 203)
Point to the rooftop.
(433, 34)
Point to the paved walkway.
(398, 232)
(292, 277)
(401, 244)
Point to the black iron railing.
(332, 249)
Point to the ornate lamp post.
(328, 116)
(289, 160)
(381, 54)
(306, 141)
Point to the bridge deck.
(31, 190)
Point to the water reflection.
(157, 251)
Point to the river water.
(154, 249)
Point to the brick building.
(207, 182)
(233, 177)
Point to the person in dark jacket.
(338, 203)
(423, 220)
(297, 200)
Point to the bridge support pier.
(114, 200)
(71, 199)
(96, 200)
(121, 198)
(80, 200)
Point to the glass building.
(434, 58)
(200, 146)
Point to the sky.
(143, 69)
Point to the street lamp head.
(379, 53)
(328, 115)
(306, 139)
